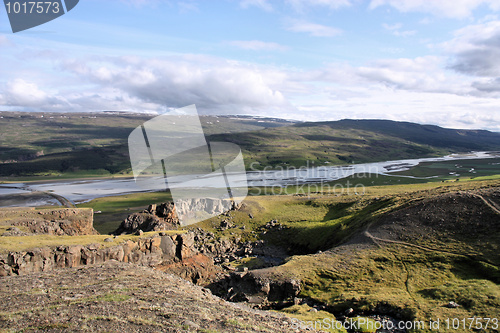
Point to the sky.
(425, 61)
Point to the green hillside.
(355, 141)
(95, 144)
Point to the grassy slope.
(412, 283)
(115, 209)
(425, 134)
(321, 145)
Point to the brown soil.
(120, 297)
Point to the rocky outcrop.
(61, 221)
(224, 250)
(211, 206)
(146, 252)
(155, 218)
(199, 269)
(257, 287)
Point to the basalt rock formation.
(59, 221)
(151, 252)
(155, 218)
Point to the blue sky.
(435, 62)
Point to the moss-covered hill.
(403, 251)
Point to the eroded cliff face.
(60, 221)
(150, 251)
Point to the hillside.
(406, 255)
(355, 141)
(82, 145)
(87, 144)
(431, 135)
(119, 297)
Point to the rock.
(271, 224)
(151, 209)
(168, 247)
(187, 239)
(139, 232)
(225, 224)
(167, 211)
(14, 231)
(60, 221)
(198, 269)
(146, 251)
(190, 324)
(154, 218)
(108, 240)
(243, 286)
(452, 305)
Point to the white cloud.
(424, 74)
(419, 89)
(257, 45)
(490, 86)
(475, 49)
(317, 30)
(446, 8)
(185, 6)
(262, 4)
(395, 29)
(392, 27)
(20, 92)
(379, 102)
(300, 5)
(178, 81)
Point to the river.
(82, 190)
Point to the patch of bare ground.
(120, 297)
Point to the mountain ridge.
(356, 141)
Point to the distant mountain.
(432, 135)
(95, 144)
(355, 141)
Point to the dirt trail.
(424, 248)
(487, 202)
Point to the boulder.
(154, 218)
